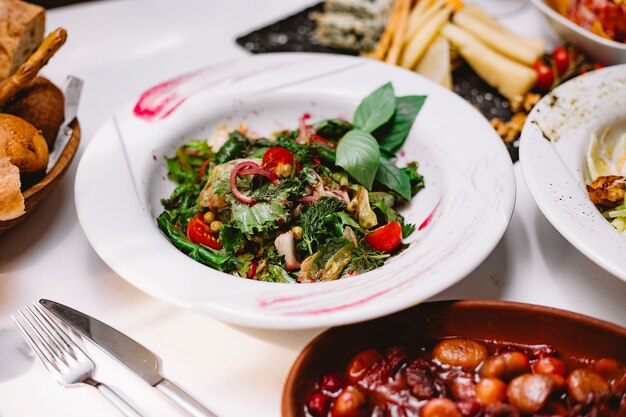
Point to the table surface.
(120, 48)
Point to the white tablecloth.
(119, 48)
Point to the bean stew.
(462, 377)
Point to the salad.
(317, 203)
(606, 165)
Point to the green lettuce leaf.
(258, 218)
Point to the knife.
(129, 353)
(73, 89)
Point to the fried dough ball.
(607, 192)
(41, 104)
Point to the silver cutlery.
(72, 91)
(129, 353)
(61, 356)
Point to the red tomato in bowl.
(275, 158)
(386, 238)
(199, 232)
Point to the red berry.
(358, 366)
(317, 404)
(549, 365)
(331, 383)
(545, 75)
(350, 403)
(561, 59)
(469, 408)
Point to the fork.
(61, 356)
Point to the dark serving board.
(296, 33)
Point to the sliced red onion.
(260, 171)
(308, 199)
(248, 168)
(233, 187)
(304, 135)
(340, 194)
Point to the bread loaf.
(23, 144)
(41, 104)
(11, 198)
(22, 26)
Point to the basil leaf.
(234, 148)
(407, 109)
(332, 129)
(417, 180)
(359, 155)
(394, 178)
(376, 109)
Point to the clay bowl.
(487, 320)
(36, 194)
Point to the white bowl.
(602, 50)
(552, 154)
(469, 194)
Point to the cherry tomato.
(561, 59)
(545, 75)
(386, 238)
(597, 66)
(253, 267)
(275, 160)
(203, 168)
(200, 232)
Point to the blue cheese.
(352, 24)
(344, 31)
(360, 9)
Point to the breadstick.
(422, 39)
(424, 10)
(29, 69)
(396, 46)
(385, 39)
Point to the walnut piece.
(607, 192)
(524, 103)
(509, 131)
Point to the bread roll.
(41, 104)
(23, 144)
(22, 26)
(11, 198)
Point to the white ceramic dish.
(463, 212)
(602, 50)
(552, 154)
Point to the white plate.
(552, 155)
(602, 50)
(463, 212)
